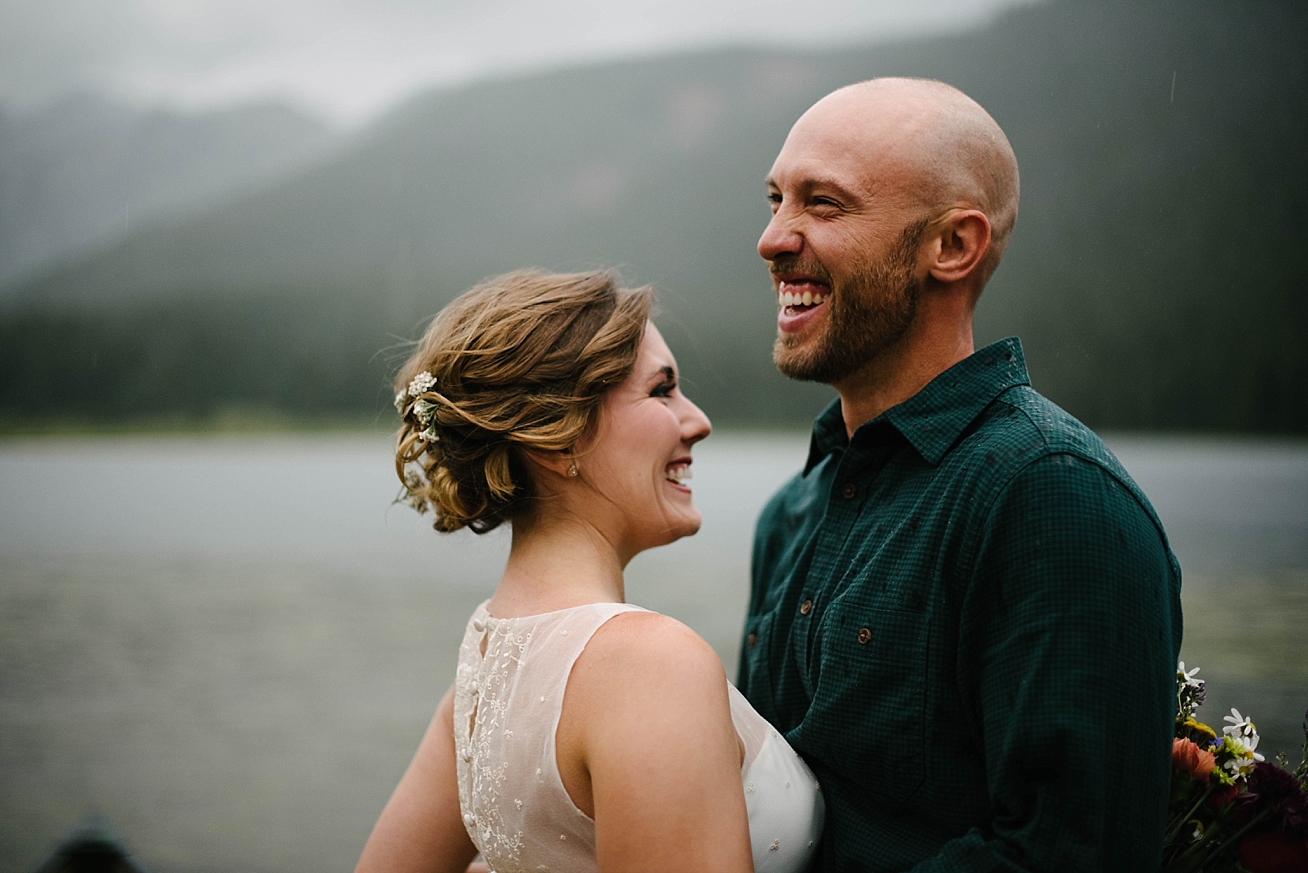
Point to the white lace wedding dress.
(514, 804)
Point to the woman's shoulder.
(650, 655)
(655, 640)
(646, 688)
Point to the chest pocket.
(868, 715)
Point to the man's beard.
(870, 310)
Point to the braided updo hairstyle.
(520, 362)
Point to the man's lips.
(800, 299)
(798, 289)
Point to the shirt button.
(849, 491)
(864, 635)
(750, 639)
(806, 607)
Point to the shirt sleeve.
(1067, 651)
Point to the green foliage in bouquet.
(1230, 810)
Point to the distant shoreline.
(273, 423)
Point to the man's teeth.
(679, 473)
(808, 298)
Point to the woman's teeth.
(678, 473)
(808, 298)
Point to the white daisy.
(1239, 725)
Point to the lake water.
(228, 646)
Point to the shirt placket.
(857, 469)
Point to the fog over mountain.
(1153, 275)
(85, 171)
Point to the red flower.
(1271, 788)
(1274, 853)
(1189, 758)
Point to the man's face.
(842, 247)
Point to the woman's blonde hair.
(519, 363)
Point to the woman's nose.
(695, 425)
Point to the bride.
(582, 733)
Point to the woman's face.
(639, 464)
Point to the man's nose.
(779, 238)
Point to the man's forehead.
(840, 150)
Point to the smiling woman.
(516, 368)
(582, 733)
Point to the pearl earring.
(572, 470)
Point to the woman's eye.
(664, 390)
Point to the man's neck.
(902, 369)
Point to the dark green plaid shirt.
(966, 618)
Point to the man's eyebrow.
(816, 182)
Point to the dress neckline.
(483, 611)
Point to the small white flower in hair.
(430, 435)
(400, 401)
(424, 409)
(421, 383)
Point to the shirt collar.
(933, 418)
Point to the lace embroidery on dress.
(513, 672)
(480, 712)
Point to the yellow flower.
(1199, 729)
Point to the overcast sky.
(350, 59)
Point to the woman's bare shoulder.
(646, 688)
(642, 662)
(651, 645)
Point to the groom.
(965, 615)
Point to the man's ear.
(960, 241)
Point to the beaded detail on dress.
(508, 697)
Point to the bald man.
(965, 614)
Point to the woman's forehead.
(654, 352)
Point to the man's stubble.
(869, 311)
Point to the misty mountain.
(1153, 275)
(85, 170)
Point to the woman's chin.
(677, 528)
(688, 527)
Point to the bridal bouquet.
(1230, 809)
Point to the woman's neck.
(557, 564)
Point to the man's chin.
(803, 362)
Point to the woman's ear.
(561, 463)
(960, 242)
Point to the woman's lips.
(678, 473)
